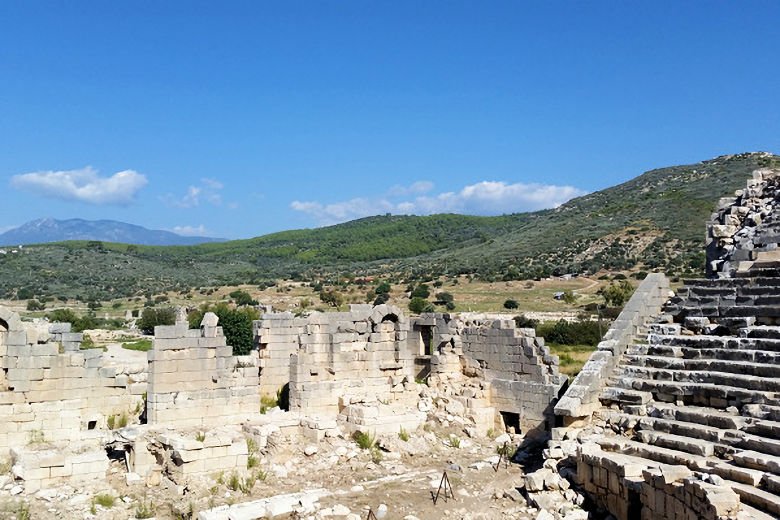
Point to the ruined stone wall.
(632, 488)
(745, 228)
(277, 338)
(49, 390)
(194, 379)
(350, 360)
(523, 375)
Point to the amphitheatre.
(675, 415)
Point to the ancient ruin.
(676, 414)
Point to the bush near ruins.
(382, 288)
(524, 322)
(617, 294)
(152, 317)
(418, 305)
(332, 298)
(242, 298)
(571, 332)
(235, 323)
(511, 304)
(421, 291)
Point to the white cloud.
(84, 185)
(416, 188)
(482, 198)
(192, 231)
(208, 190)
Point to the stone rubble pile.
(745, 228)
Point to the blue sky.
(236, 119)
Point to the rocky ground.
(396, 479)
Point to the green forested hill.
(655, 220)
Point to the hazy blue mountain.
(51, 230)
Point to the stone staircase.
(703, 389)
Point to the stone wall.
(632, 488)
(51, 391)
(523, 375)
(354, 365)
(582, 397)
(745, 228)
(277, 338)
(194, 379)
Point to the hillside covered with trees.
(654, 221)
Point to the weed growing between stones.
(403, 435)
(364, 439)
(104, 500)
(144, 509)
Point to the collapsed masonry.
(345, 371)
(677, 414)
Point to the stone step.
(731, 471)
(764, 311)
(771, 483)
(698, 364)
(656, 453)
(716, 342)
(749, 382)
(758, 300)
(707, 394)
(625, 395)
(678, 442)
(747, 512)
(758, 498)
(704, 416)
(753, 272)
(761, 331)
(759, 461)
(764, 428)
(722, 440)
(754, 356)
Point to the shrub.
(454, 442)
(403, 434)
(444, 298)
(421, 291)
(236, 324)
(34, 305)
(364, 439)
(144, 510)
(104, 500)
(523, 322)
(242, 298)
(571, 333)
(418, 305)
(152, 317)
(511, 304)
(617, 294)
(332, 298)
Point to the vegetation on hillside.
(654, 221)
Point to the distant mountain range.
(50, 230)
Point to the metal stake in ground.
(446, 487)
(371, 515)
